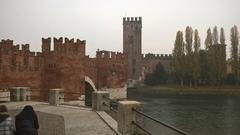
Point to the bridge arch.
(89, 89)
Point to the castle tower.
(132, 45)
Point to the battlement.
(132, 19)
(8, 48)
(25, 47)
(156, 56)
(110, 55)
(67, 41)
(66, 46)
(7, 42)
(46, 40)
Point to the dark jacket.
(26, 122)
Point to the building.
(139, 64)
(61, 65)
(64, 64)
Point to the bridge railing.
(111, 104)
(157, 121)
(130, 116)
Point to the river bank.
(177, 90)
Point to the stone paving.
(77, 120)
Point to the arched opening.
(89, 89)
(88, 94)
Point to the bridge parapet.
(129, 115)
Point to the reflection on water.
(197, 115)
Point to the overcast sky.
(99, 22)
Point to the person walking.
(26, 122)
(6, 122)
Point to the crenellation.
(6, 46)
(46, 40)
(78, 41)
(48, 69)
(132, 19)
(25, 48)
(46, 45)
(16, 48)
(157, 56)
(7, 42)
(66, 40)
(81, 46)
(70, 46)
(109, 55)
(71, 40)
(57, 43)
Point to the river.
(197, 115)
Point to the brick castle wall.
(64, 65)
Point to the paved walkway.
(77, 120)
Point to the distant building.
(132, 45)
(139, 64)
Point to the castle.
(65, 64)
(140, 64)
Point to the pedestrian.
(6, 122)
(26, 122)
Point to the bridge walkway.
(77, 120)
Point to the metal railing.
(159, 122)
(111, 108)
(140, 127)
(113, 105)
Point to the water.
(197, 115)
